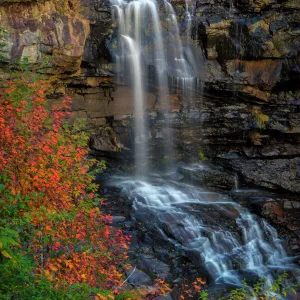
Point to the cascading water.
(140, 126)
(218, 233)
(147, 56)
(152, 57)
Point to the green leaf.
(2, 187)
(6, 254)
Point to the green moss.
(201, 156)
(280, 289)
(260, 118)
(128, 295)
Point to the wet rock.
(273, 208)
(276, 174)
(209, 176)
(153, 266)
(262, 73)
(128, 225)
(146, 250)
(288, 205)
(138, 278)
(118, 219)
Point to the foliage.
(255, 137)
(190, 290)
(201, 156)
(203, 295)
(280, 288)
(3, 35)
(134, 295)
(162, 288)
(54, 238)
(260, 118)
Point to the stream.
(220, 236)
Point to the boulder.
(153, 266)
(138, 278)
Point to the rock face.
(246, 113)
(45, 34)
(275, 173)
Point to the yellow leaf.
(5, 254)
(101, 297)
(53, 268)
(1, 245)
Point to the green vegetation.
(280, 289)
(3, 35)
(201, 156)
(203, 295)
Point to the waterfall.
(139, 104)
(152, 55)
(145, 53)
(220, 234)
(188, 21)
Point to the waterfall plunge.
(253, 246)
(139, 103)
(142, 44)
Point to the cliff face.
(251, 119)
(247, 113)
(44, 32)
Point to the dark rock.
(167, 297)
(153, 266)
(118, 219)
(105, 141)
(138, 278)
(276, 174)
(128, 225)
(207, 175)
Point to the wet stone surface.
(157, 247)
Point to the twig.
(129, 276)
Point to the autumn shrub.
(51, 219)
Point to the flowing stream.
(221, 234)
(218, 233)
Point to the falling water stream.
(149, 51)
(221, 234)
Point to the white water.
(139, 104)
(142, 43)
(218, 233)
